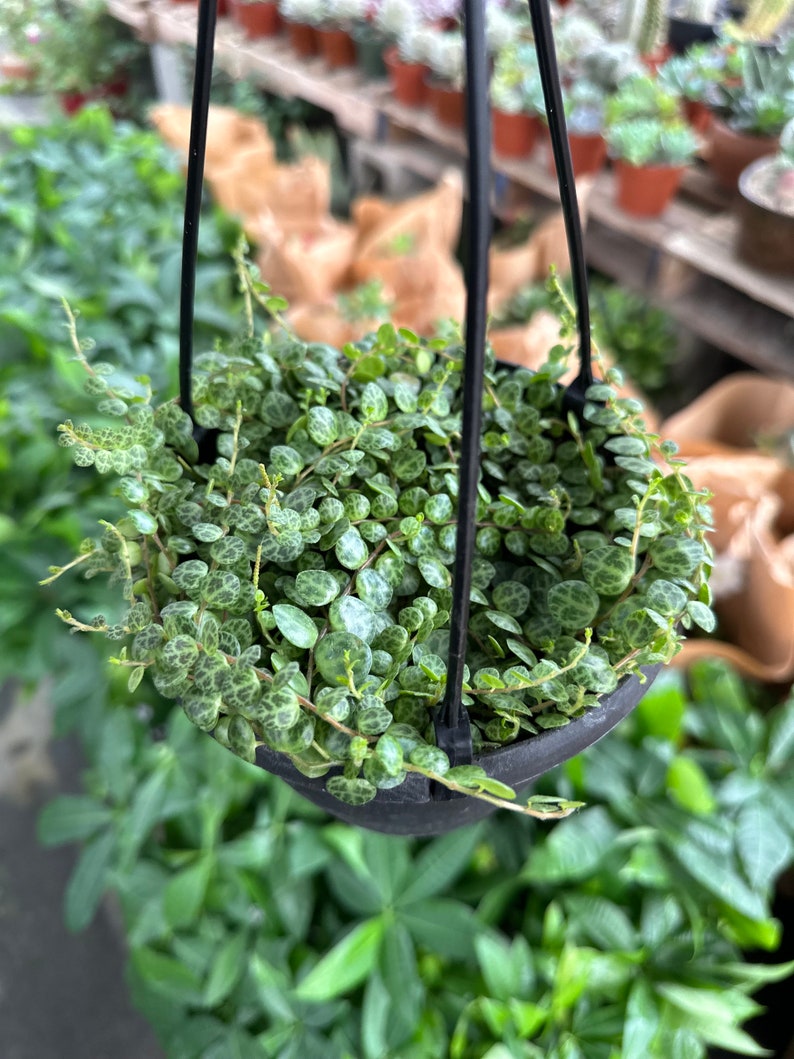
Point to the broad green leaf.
(439, 864)
(70, 818)
(294, 625)
(506, 967)
(719, 877)
(167, 976)
(347, 964)
(442, 924)
(573, 849)
(226, 969)
(689, 785)
(764, 847)
(144, 812)
(184, 893)
(780, 751)
(602, 921)
(374, 1017)
(88, 880)
(642, 1022)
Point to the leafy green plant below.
(259, 929)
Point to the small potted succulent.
(608, 64)
(337, 19)
(301, 18)
(516, 100)
(290, 584)
(691, 22)
(445, 58)
(751, 111)
(650, 143)
(766, 209)
(405, 55)
(584, 103)
(694, 77)
(258, 18)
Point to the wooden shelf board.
(709, 248)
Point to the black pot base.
(415, 808)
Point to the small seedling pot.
(408, 80)
(257, 20)
(731, 152)
(514, 135)
(303, 39)
(337, 48)
(448, 104)
(646, 191)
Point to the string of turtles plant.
(295, 591)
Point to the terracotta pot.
(337, 48)
(514, 135)
(408, 80)
(645, 191)
(588, 154)
(765, 237)
(303, 39)
(257, 19)
(448, 104)
(698, 115)
(731, 152)
(653, 60)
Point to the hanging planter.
(405, 579)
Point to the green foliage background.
(257, 927)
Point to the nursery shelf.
(346, 94)
(684, 261)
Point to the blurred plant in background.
(90, 212)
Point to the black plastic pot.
(682, 33)
(417, 807)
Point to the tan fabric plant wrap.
(753, 506)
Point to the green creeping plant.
(295, 591)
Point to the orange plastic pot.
(407, 80)
(259, 19)
(448, 104)
(337, 48)
(303, 39)
(588, 153)
(514, 135)
(646, 191)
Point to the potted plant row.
(292, 590)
